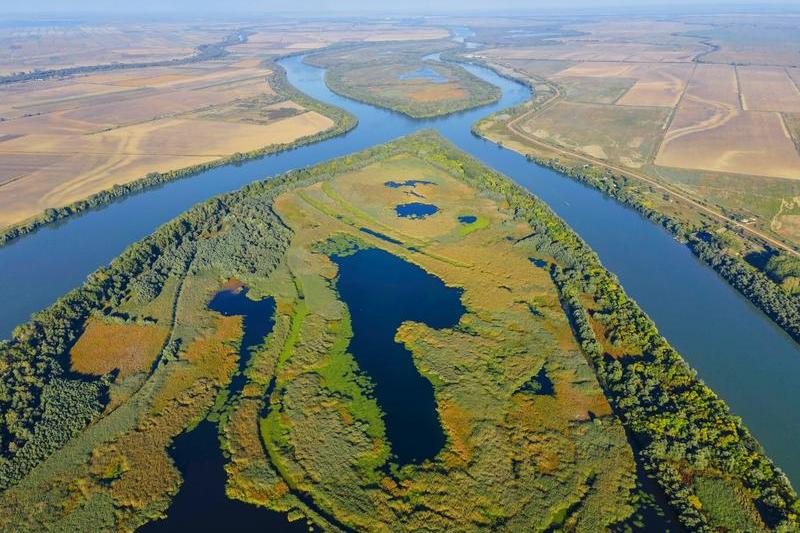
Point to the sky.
(339, 6)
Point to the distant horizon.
(326, 8)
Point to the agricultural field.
(32, 46)
(61, 147)
(724, 91)
(404, 77)
(539, 382)
(63, 139)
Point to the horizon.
(326, 8)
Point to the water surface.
(382, 291)
(416, 210)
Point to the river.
(752, 364)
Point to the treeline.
(43, 404)
(684, 431)
(204, 52)
(343, 122)
(765, 293)
(771, 298)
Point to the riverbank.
(343, 122)
(707, 236)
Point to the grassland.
(398, 77)
(307, 437)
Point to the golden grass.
(105, 346)
(439, 92)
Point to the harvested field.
(63, 140)
(743, 142)
(714, 84)
(597, 70)
(61, 169)
(768, 89)
(105, 346)
(595, 90)
(626, 134)
(656, 85)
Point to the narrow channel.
(201, 503)
(736, 349)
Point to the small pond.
(415, 210)
(467, 219)
(423, 73)
(407, 183)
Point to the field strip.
(512, 125)
(742, 102)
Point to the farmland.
(725, 95)
(545, 422)
(64, 139)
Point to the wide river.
(737, 350)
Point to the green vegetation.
(539, 388)
(397, 76)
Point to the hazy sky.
(322, 6)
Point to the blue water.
(736, 349)
(467, 219)
(423, 73)
(382, 291)
(201, 503)
(416, 210)
(407, 183)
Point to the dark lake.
(382, 291)
(201, 503)
(415, 210)
(407, 183)
(467, 219)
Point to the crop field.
(69, 143)
(727, 84)
(768, 89)
(627, 134)
(68, 45)
(746, 142)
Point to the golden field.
(62, 140)
(724, 90)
